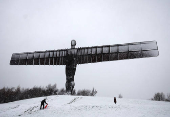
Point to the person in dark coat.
(115, 100)
(42, 103)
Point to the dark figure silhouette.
(115, 100)
(42, 103)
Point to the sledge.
(46, 106)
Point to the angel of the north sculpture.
(83, 55)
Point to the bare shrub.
(84, 92)
(62, 91)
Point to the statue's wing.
(117, 52)
(88, 54)
(49, 57)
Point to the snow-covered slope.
(80, 106)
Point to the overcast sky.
(39, 25)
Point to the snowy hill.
(80, 106)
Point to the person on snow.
(115, 100)
(42, 103)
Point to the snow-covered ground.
(80, 106)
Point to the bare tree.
(168, 97)
(74, 92)
(93, 92)
(159, 97)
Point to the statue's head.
(73, 43)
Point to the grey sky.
(29, 25)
